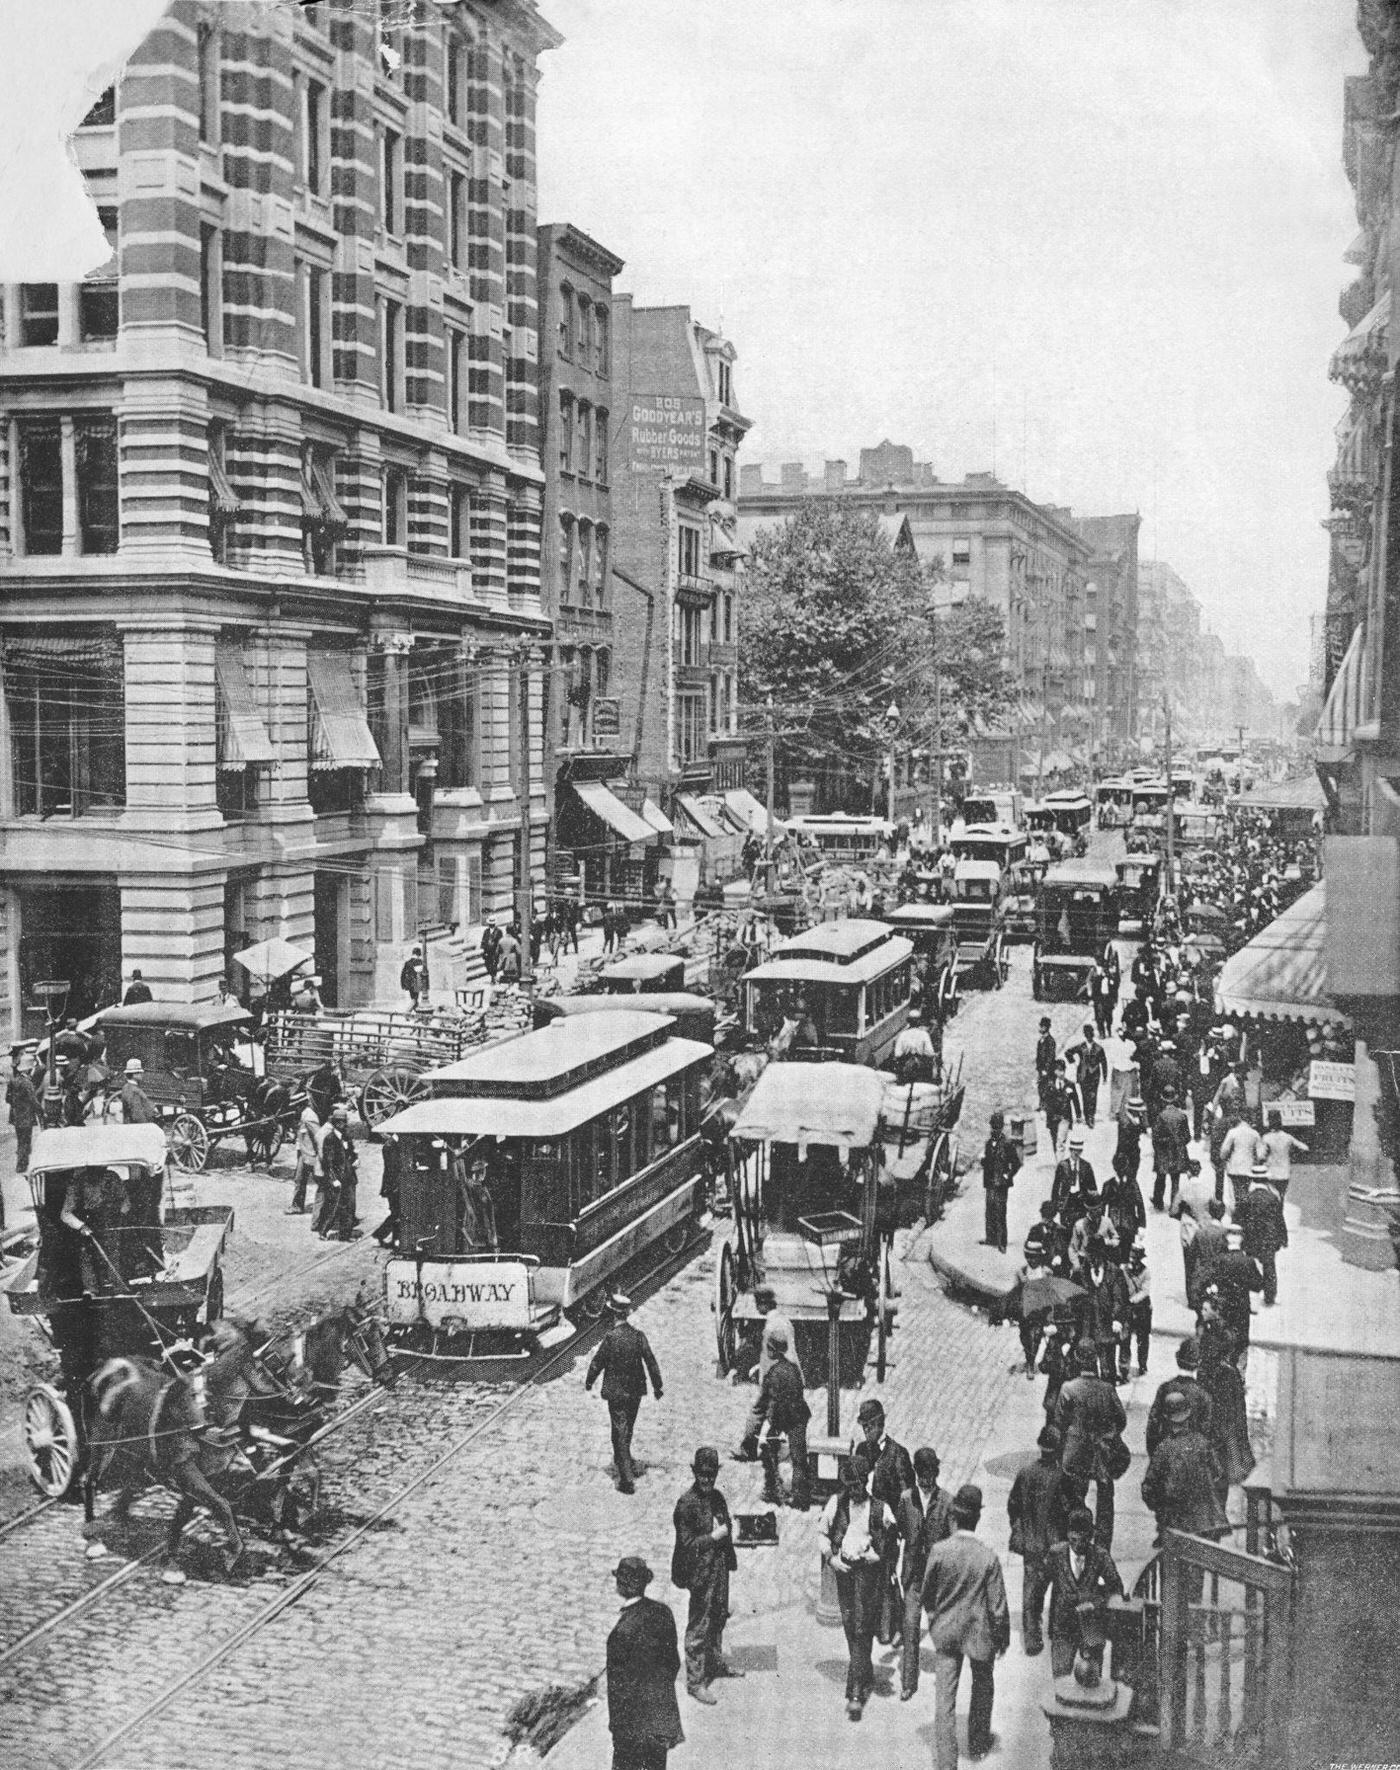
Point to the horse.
(213, 1430)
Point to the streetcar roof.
(920, 916)
(848, 938)
(98, 1146)
(505, 1115)
(674, 1002)
(1079, 875)
(796, 968)
(829, 1103)
(642, 967)
(186, 1016)
(976, 869)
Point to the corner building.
(270, 510)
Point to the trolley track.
(443, 1412)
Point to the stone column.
(1372, 1194)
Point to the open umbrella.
(1205, 943)
(271, 959)
(1048, 1291)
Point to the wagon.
(198, 1074)
(930, 927)
(1077, 915)
(808, 1170)
(979, 921)
(381, 1054)
(919, 1128)
(139, 1286)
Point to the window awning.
(1335, 736)
(751, 811)
(730, 822)
(607, 806)
(1359, 360)
(696, 815)
(318, 500)
(222, 496)
(1282, 973)
(340, 734)
(246, 742)
(42, 651)
(657, 818)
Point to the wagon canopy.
(830, 1103)
(98, 1146)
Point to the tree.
(833, 630)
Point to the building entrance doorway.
(329, 944)
(72, 933)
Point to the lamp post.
(892, 719)
(50, 991)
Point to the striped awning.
(609, 809)
(1335, 736)
(56, 651)
(702, 821)
(1282, 973)
(1359, 360)
(340, 733)
(245, 740)
(657, 818)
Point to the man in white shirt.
(775, 1325)
(1239, 1151)
(308, 1147)
(1279, 1148)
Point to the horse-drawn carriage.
(929, 926)
(979, 921)
(811, 1221)
(198, 1074)
(1139, 889)
(112, 1274)
(125, 1289)
(1077, 917)
(382, 1055)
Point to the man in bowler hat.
(642, 1663)
(624, 1360)
(701, 1562)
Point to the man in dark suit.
(925, 1518)
(1073, 1176)
(1265, 1232)
(891, 1472)
(1001, 1161)
(1061, 1104)
(1044, 1059)
(1041, 1498)
(1087, 1412)
(1234, 1276)
(1092, 1061)
(1184, 1383)
(137, 991)
(1080, 1573)
(965, 1599)
(783, 1405)
(643, 1659)
(1183, 1486)
(701, 1562)
(625, 1360)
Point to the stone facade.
(270, 536)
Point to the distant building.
(1111, 631)
(1213, 693)
(270, 514)
(677, 577)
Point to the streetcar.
(143, 1279)
(694, 1015)
(929, 926)
(1072, 814)
(979, 921)
(1113, 802)
(643, 974)
(1001, 808)
(1008, 848)
(851, 979)
(809, 1196)
(537, 1172)
(1077, 916)
(841, 835)
(1139, 887)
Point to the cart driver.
(227, 1070)
(94, 1205)
(804, 1035)
(475, 1206)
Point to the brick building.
(270, 509)
(677, 576)
(1110, 632)
(600, 838)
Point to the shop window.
(38, 313)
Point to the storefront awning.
(50, 651)
(340, 735)
(613, 812)
(1302, 794)
(246, 742)
(751, 812)
(657, 818)
(1358, 362)
(1282, 973)
(1341, 713)
(696, 814)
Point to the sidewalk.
(1322, 1302)
(789, 1709)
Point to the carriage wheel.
(726, 1295)
(677, 1236)
(214, 1297)
(266, 1141)
(389, 1091)
(189, 1143)
(591, 1306)
(939, 1172)
(882, 1315)
(51, 1441)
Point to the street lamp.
(892, 719)
(51, 990)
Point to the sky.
(1096, 244)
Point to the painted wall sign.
(668, 433)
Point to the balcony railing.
(390, 569)
(689, 584)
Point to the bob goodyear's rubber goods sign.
(477, 1294)
(668, 431)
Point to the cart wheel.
(189, 1143)
(267, 1140)
(882, 1315)
(592, 1306)
(388, 1091)
(939, 1172)
(214, 1297)
(51, 1440)
(677, 1236)
(726, 1294)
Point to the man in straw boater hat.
(643, 1659)
(624, 1360)
(701, 1562)
(968, 1618)
(1260, 1216)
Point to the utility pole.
(894, 713)
(768, 826)
(1171, 801)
